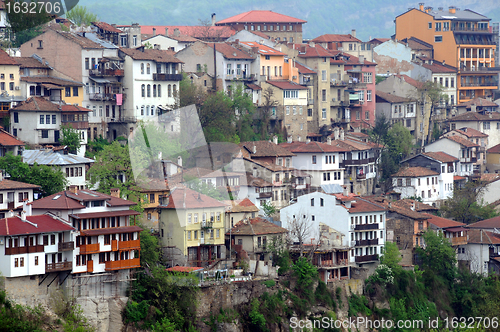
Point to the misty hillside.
(369, 18)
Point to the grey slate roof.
(52, 158)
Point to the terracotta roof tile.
(312, 147)
(151, 55)
(244, 205)
(50, 80)
(480, 236)
(263, 49)
(413, 172)
(487, 223)
(303, 69)
(230, 52)
(265, 149)
(44, 224)
(329, 38)
(185, 198)
(30, 62)
(475, 116)
(494, 149)
(383, 96)
(441, 222)
(392, 207)
(316, 51)
(67, 200)
(252, 86)
(80, 40)
(470, 132)
(106, 27)
(419, 206)
(437, 67)
(478, 102)
(10, 184)
(5, 59)
(256, 226)
(253, 181)
(360, 205)
(74, 109)
(37, 104)
(462, 141)
(410, 81)
(287, 85)
(441, 156)
(7, 139)
(260, 16)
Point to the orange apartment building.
(461, 38)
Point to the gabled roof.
(106, 27)
(303, 69)
(151, 55)
(414, 172)
(441, 156)
(393, 207)
(37, 225)
(390, 98)
(410, 81)
(51, 158)
(244, 205)
(83, 42)
(462, 141)
(359, 205)
(333, 38)
(487, 223)
(316, 51)
(262, 49)
(9, 184)
(7, 139)
(477, 102)
(494, 149)
(437, 67)
(470, 132)
(417, 44)
(311, 147)
(480, 236)
(253, 86)
(265, 149)
(185, 198)
(7, 60)
(256, 226)
(37, 104)
(260, 16)
(230, 52)
(30, 62)
(441, 222)
(74, 109)
(67, 200)
(50, 80)
(287, 85)
(475, 116)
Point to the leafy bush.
(269, 283)
(323, 295)
(358, 304)
(257, 319)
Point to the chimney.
(73, 189)
(302, 49)
(275, 139)
(255, 49)
(213, 19)
(336, 133)
(329, 140)
(311, 44)
(308, 140)
(166, 32)
(254, 151)
(177, 33)
(179, 161)
(27, 208)
(353, 33)
(361, 59)
(421, 6)
(413, 206)
(115, 192)
(289, 139)
(341, 134)
(346, 193)
(452, 9)
(23, 215)
(154, 31)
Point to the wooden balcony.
(366, 258)
(167, 77)
(129, 245)
(106, 72)
(55, 267)
(372, 242)
(459, 240)
(90, 249)
(66, 246)
(114, 245)
(90, 266)
(24, 250)
(366, 227)
(123, 264)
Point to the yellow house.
(460, 38)
(192, 228)
(9, 83)
(274, 64)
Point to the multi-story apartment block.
(290, 112)
(234, 66)
(193, 224)
(347, 43)
(477, 137)
(464, 31)
(458, 147)
(105, 236)
(487, 122)
(397, 109)
(446, 77)
(10, 90)
(417, 181)
(278, 26)
(13, 194)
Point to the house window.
(486, 125)
(149, 90)
(314, 159)
(11, 86)
(142, 68)
(367, 77)
(16, 262)
(321, 202)
(148, 69)
(229, 69)
(189, 235)
(287, 110)
(45, 133)
(368, 95)
(438, 39)
(47, 119)
(54, 119)
(312, 201)
(323, 113)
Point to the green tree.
(438, 257)
(244, 109)
(217, 118)
(266, 111)
(391, 256)
(80, 15)
(150, 249)
(51, 179)
(432, 93)
(268, 209)
(190, 93)
(378, 135)
(96, 146)
(71, 138)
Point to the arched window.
(149, 90)
(152, 109)
(143, 90)
(142, 110)
(147, 110)
(174, 90)
(142, 68)
(154, 90)
(148, 69)
(159, 90)
(169, 90)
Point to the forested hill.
(369, 18)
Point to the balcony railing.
(90, 266)
(102, 96)
(352, 162)
(361, 176)
(206, 225)
(123, 264)
(24, 250)
(106, 72)
(90, 248)
(114, 245)
(366, 227)
(265, 195)
(367, 242)
(65, 246)
(129, 245)
(458, 241)
(167, 77)
(366, 258)
(61, 266)
(123, 119)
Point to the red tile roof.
(151, 54)
(256, 226)
(244, 205)
(332, 38)
(437, 67)
(399, 209)
(30, 62)
(75, 109)
(410, 81)
(260, 16)
(5, 59)
(260, 34)
(470, 132)
(263, 49)
(360, 205)
(487, 223)
(441, 222)
(441, 156)
(230, 52)
(316, 51)
(67, 200)
(462, 141)
(37, 104)
(111, 230)
(7, 139)
(104, 214)
(83, 42)
(312, 147)
(480, 236)
(303, 69)
(413, 172)
(50, 80)
(287, 85)
(494, 149)
(478, 102)
(37, 225)
(106, 27)
(252, 86)
(9, 184)
(383, 96)
(185, 198)
(474, 116)
(265, 149)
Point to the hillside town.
(358, 144)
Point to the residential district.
(314, 183)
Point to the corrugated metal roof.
(51, 158)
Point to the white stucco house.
(464, 150)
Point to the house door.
(56, 135)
